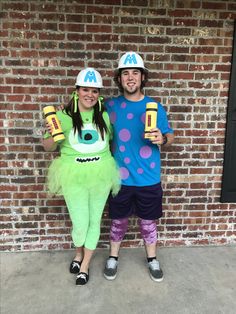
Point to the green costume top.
(84, 161)
(90, 145)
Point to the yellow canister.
(51, 117)
(150, 118)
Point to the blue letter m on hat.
(90, 76)
(131, 59)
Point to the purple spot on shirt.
(122, 148)
(140, 170)
(124, 135)
(130, 116)
(111, 103)
(123, 105)
(124, 173)
(145, 152)
(127, 160)
(143, 117)
(152, 165)
(112, 117)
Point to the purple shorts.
(144, 202)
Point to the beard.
(132, 90)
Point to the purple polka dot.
(122, 148)
(127, 160)
(124, 173)
(111, 103)
(130, 116)
(143, 117)
(112, 117)
(140, 170)
(152, 165)
(145, 152)
(124, 135)
(123, 105)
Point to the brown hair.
(77, 119)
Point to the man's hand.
(156, 137)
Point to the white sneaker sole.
(156, 279)
(110, 277)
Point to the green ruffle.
(66, 172)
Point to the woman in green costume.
(85, 173)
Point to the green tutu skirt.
(65, 172)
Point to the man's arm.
(169, 137)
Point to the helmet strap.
(75, 101)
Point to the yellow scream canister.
(51, 117)
(150, 118)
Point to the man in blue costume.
(139, 162)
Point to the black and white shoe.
(82, 279)
(75, 267)
(155, 271)
(110, 270)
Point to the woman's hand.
(49, 127)
(48, 143)
(60, 107)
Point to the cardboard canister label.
(51, 117)
(150, 118)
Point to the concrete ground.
(198, 280)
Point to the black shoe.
(75, 267)
(82, 279)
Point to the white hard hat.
(89, 77)
(131, 60)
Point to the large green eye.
(88, 137)
(89, 142)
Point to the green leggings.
(85, 208)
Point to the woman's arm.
(48, 143)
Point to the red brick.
(189, 4)
(203, 49)
(103, 10)
(180, 13)
(214, 5)
(211, 23)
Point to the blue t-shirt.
(138, 159)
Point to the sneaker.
(82, 279)
(155, 271)
(75, 267)
(110, 270)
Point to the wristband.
(165, 140)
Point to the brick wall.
(187, 46)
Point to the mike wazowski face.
(89, 142)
